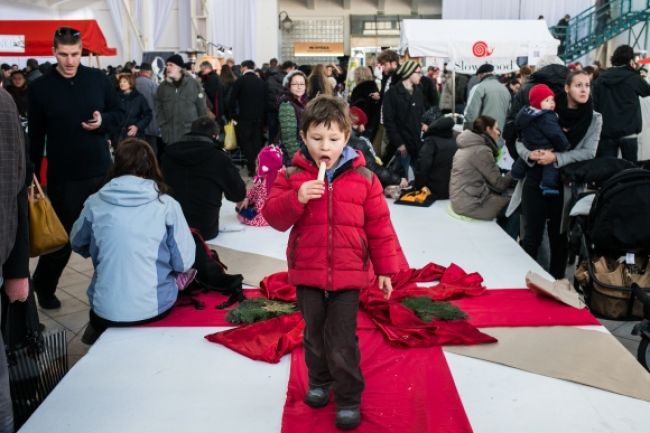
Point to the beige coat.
(476, 181)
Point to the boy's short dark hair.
(387, 56)
(622, 55)
(287, 64)
(205, 126)
(66, 36)
(326, 110)
(248, 64)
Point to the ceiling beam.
(346, 4)
(311, 4)
(381, 5)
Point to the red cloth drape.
(186, 315)
(407, 391)
(266, 341)
(521, 307)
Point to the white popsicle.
(321, 171)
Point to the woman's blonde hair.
(361, 74)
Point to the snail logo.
(481, 49)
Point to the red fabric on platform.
(521, 307)
(187, 315)
(407, 391)
(276, 286)
(266, 341)
(453, 281)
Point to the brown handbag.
(46, 233)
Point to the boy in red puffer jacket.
(340, 224)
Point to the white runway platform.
(170, 380)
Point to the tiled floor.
(73, 314)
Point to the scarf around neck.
(575, 121)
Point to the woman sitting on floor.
(476, 183)
(138, 239)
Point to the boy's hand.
(385, 285)
(310, 190)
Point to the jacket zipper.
(364, 245)
(292, 257)
(330, 247)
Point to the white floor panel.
(172, 380)
(164, 380)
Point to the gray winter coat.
(476, 181)
(148, 88)
(178, 107)
(584, 150)
(488, 98)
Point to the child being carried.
(540, 130)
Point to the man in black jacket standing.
(199, 173)
(247, 102)
(74, 108)
(616, 96)
(550, 71)
(14, 238)
(213, 89)
(403, 108)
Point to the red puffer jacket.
(334, 237)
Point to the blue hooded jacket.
(540, 129)
(138, 241)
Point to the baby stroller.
(612, 241)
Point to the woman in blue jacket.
(138, 240)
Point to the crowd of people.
(133, 164)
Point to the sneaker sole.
(317, 405)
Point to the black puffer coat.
(433, 167)
(386, 176)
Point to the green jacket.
(178, 106)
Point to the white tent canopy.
(471, 43)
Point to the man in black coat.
(616, 96)
(433, 168)
(274, 90)
(213, 89)
(75, 108)
(200, 173)
(247, 104)
(403, 108)
(550, 71)
(14, 227)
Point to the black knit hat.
(177, 60)
(485, 68)
(144, 66)
(406, 69)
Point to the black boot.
(317, 396)
(347, 419)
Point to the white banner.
(12, 43)
(501, 65)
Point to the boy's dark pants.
(330, 341)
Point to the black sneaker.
(347, 419)
(317, 396)
(49, 302)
